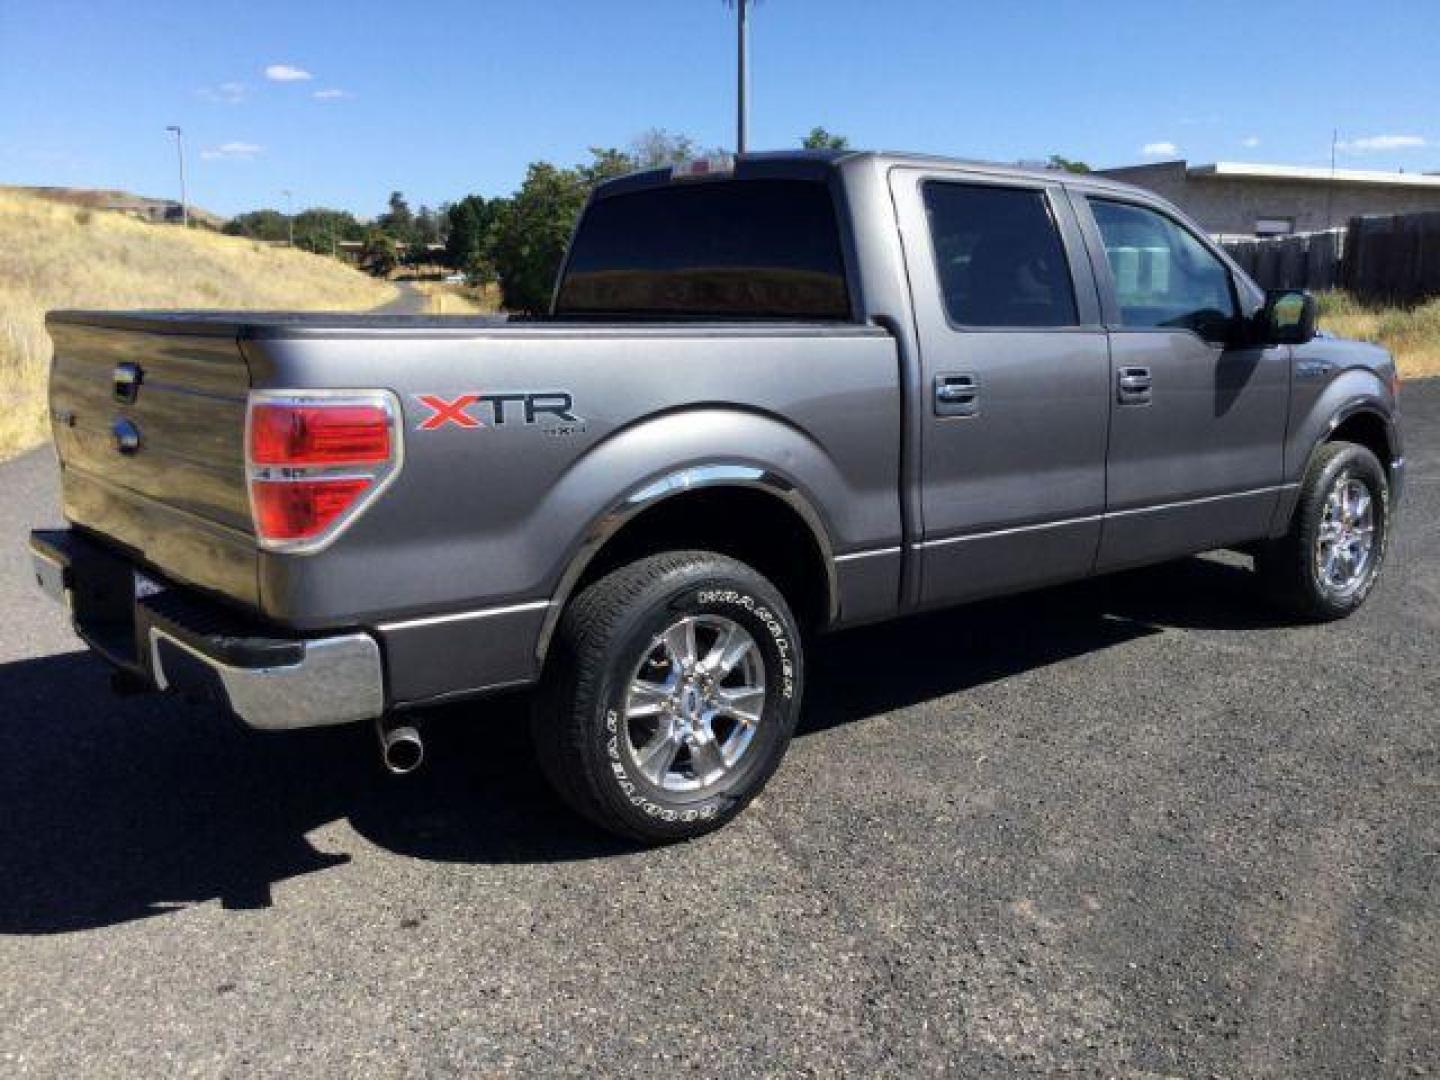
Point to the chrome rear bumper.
(184, 643)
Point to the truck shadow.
(120, 809)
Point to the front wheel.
(1330, 559)
(670, 695)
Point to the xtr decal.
(494, 410)
(444, 412)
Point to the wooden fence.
(1395, 259)
(1300, 261)
(1390, 259)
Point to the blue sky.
(342, 102)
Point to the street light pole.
(289, 215)
(180, 153)
(742, 119)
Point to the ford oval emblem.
(127, 435)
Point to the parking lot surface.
(1133, 827)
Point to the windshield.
(730, 248)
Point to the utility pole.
(742, 119)
(289, 214)
(1330, 187)
(180, 152)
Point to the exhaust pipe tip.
(402, 750)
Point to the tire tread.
(1284, 564)
(576, 668)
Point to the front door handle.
(1133, 386)
(957, 394)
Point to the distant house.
(1233, 199)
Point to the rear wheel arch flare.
(751, 513)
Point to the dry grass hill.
(142, 207)
(54, 255)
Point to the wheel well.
(1368, 430)
(748, 524)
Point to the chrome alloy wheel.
(1345, 541)
(694, 702)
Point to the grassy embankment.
(56, 256)
(1412, 334)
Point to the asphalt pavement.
(1134, 827)
(409, 300)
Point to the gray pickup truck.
(775, 395)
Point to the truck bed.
(255, 325)
(488, 509)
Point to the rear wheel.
(670, 695)
(1330, 559)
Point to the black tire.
(609, 634)
(1290, 567)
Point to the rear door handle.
(127, 381)
(1133, 386)
(957, 394)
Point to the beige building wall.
(1235, 204)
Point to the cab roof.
(818, 164)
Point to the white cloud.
(226, 93)
(331, 94)
(287, 73)
(235, 151)
(1159, 149)
(1250, 142)
(1374, 143)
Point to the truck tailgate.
(149, 424)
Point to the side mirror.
(1288, 317)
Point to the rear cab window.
(757, 248)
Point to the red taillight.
(298, 509)
(314, 461)
(289, 434)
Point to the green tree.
(319, 230)
(259, 225)
(378, 256)
(531, 234)
(656, 147)
(1064, 164)
(820, 139)
(428, 227)
(424, 230)
(605, 164)
(398, 221)
(469, 242)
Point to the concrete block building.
(1234, 199)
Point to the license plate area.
(104, 589)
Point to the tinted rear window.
(748, 248)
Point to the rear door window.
(999, 256)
